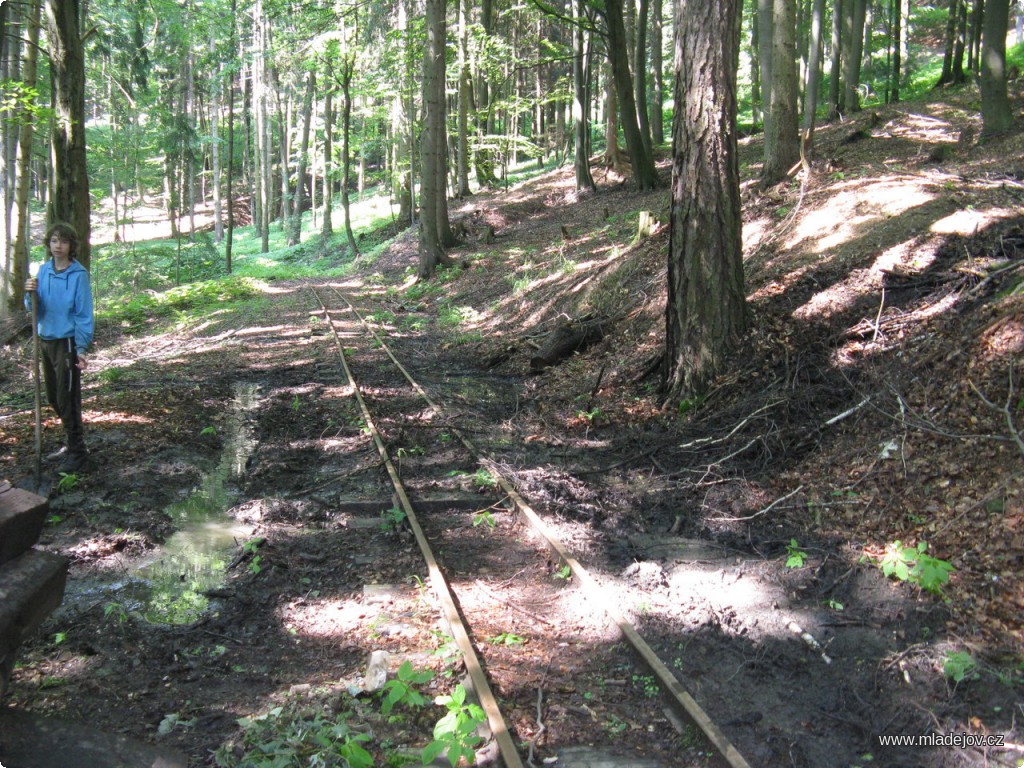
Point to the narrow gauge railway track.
(372, 384)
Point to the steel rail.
(442, 590)
(591, 585)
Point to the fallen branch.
(770, 507)
(1006, 410)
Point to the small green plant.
(484, 480)
(615, 725)
(392, 519)
(112, 375)
(959, 666)
(401, 689)
(648, 684)
(296, 403)
(59, 638)
(914, 565)
(507, 639)
(565, 572)
(591, 415)
(835, 605)
(282, 738)
(208, 432)
(117, 611)
(796, 557)
(455, 734)
(484, 517)
(67, 482)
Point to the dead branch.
(767, 509)
(1006, 409)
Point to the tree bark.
(433, 201)
(996, 114)
(813, 76)
(22, 235)
(347, 67)
(657, 96)
(782, 133)
(645, 174)
(706, 312)
(70, 199)
(581, 82)
(295, 231)
(835, 98)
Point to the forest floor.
(875, 400)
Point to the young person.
(65, 331)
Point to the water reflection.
(195, 559)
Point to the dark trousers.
(64, 389)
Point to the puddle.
(168, 585)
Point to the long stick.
(35, 379)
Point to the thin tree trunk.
(835, 92)
(657, 96)
(23, 175)
(347, 67)
(215, 107)
(640, 76)
(327, 227)
(295, 232)
(581, 81)
(813, 77)
(465, 88)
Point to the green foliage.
(914, 565)
(455, 734)
(959, 666)
(507, 639)
(67, 482)
(281, 738)
(795, 556)
(565, 572)
(208, 432)
(392, 519)
(401, 689)
(484, 517)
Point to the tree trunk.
(327, 226)
(765, 31)
(23, 174)
(706, 311)
(581, 81)
(782, 133)
(835, 98)
(484, 161)
(996, 114)
(70, 199)
(642, 160)
(853, 46)
(215, 107)
(347, 67)
(946, 76)
(433, 202)
(640, 76)
(813, 76)
(295, 232)
(465, 88)
(657, 96)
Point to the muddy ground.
(875, 400)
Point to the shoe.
(57, 455)
(75, 464)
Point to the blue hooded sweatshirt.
(65, 304)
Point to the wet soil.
(875, 400)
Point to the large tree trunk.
(640, 76)
(70, 199)
(641, 158)
(996, 115)
(782, 134)
(706, 312)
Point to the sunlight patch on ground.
(116, 417)
(326, 618)
(848, 212)
(970, 221)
